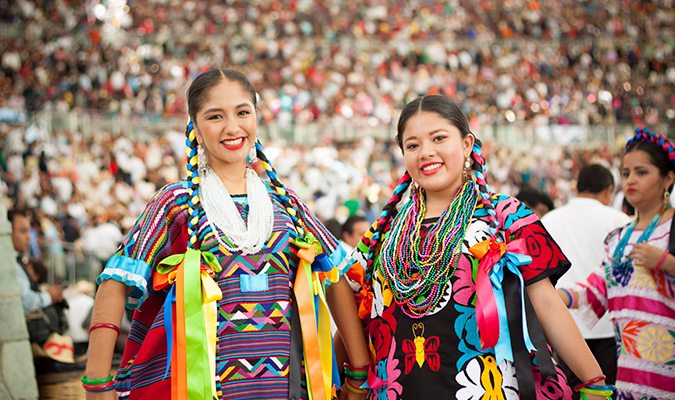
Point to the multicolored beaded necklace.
(418, 273)
(622, 271)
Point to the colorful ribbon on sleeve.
(195, 293)
(491, 314)
(314, 316)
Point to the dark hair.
(12, 214)
(439, 105)
(533, 197)
(657, 156)
(200, 87)
(334, 227)
(594, 179)
(348, 226)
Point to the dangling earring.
(666, 198)
(467, 169)
(201, 158)
(253, 155)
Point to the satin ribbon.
(314, 316)
(491, 313)
(196, 294)
(365, 297)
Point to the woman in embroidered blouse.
(450, 265)
(635, 282)
(208, 267)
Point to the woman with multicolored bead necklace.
(455, 288)
(635, 283)
(228, 276)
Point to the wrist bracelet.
(583, 397)
(96, 381)
(597, 392)
(598, 387)
(658, 264)
(571, 295)
(109, 326)
(589, 382)
(105, 387)
(353, 388)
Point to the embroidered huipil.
(254, 314)
(641, 304)
(439, 356)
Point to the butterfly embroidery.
(420, 349)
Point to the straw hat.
(57, 347)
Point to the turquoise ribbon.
(510, 261)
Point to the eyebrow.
(430, 133)
(216, 109)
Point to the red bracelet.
(102, 387)
(589, 382)
(661, 260)
(109, 326)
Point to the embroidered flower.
(623, 272)
(655, 344)
(553, 388)
(464, 288)
(629, 337)
(483, 379)
(544, 251)
(466, 329)
(387, 371)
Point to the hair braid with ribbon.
(279, 188)
(384, 221)
(480, 172)
(193, 186)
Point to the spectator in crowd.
(352, 231)
(635, 282)
(580, 228)
(538, 201)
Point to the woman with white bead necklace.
(230, 276)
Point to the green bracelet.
(96, 381)
(597, 392)
(583, 396)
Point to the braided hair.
(197, 94)
(443, 107)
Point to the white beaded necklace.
(221, 211)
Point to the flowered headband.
(643, 135)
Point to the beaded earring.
(253, 155)
(467, 169)
(666, 198)
(201, 158)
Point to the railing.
(71, 265)
(517, 135)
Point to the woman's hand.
(347, 394)
(645, 255)
(594, 397)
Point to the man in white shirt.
(580, 228)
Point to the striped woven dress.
(641, 304)
(253, 348)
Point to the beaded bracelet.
(95, 381)
(658, 264)
(109, 326)
(589, 382)
(569, 293)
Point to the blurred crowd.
(545, 62)
(84, 193)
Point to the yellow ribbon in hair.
(314, 316)
(196, 325)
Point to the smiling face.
(434, 153)
(643, 184)
(227, 125)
